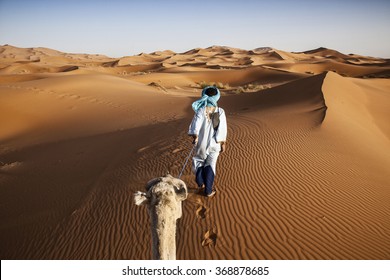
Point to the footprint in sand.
(140, 150)
(9, 167)
(210, 238)
(201, 212)
(74, 96)
(176, 150)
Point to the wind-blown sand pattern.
(306, 174)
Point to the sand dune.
(306, 174)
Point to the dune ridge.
(305, 175)
(32, 60)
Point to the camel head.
(164, 192)
(163, 197)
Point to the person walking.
(208, 130)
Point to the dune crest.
(215, 57)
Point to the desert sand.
(306, 174)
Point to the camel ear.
(140, 198)
(152, 182)
(181, 191)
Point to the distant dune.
(306, 173)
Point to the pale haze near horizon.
(118, 28)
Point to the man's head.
(210, 97)
(211, 91)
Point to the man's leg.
(208, 179)
(210, 172)
(199, 177)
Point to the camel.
(163, 197)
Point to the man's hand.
(194, 139)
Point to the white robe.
(207, 148)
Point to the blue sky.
(118, 27)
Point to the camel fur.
(163, 197)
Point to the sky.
(118, 28)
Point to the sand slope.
(306, 174)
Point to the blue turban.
(205, 100)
